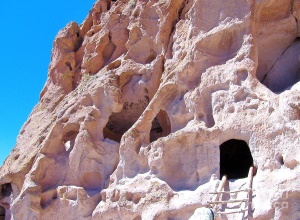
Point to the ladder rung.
(232, 212)
(229, 201)
(228, 192)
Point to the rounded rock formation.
(140, 97)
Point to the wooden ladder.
(245, 203)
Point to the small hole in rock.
(54, 196)
(151, 56)
(69, 139)
(116, 196)
(108, 50)
(241, 76)
(129, 196)
(231, 109)
(147, 98)
(69, 65)
(103, 196)
(280, 160)
(114, 65)
(136, 199)
(92, 181)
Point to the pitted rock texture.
(138, 100)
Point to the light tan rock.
(140, 97)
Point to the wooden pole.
(249, 194)
(250, 181)
(216, 197)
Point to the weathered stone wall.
(140, 97)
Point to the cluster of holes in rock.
(135, 198)
(235, 159)
(119, 123)
(129, 196)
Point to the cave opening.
(119, 123)
(235, 159)
(2, 213)
(161, 126)
(6, 189)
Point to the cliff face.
(140, 107)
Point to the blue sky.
(27, 31)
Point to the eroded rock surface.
(139, 99)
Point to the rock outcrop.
(139, 101)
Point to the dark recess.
(2, 213)
(6, 190)
(235, 159)
(161, 126)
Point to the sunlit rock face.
(141, 99)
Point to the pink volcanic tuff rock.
(139, 99)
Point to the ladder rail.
(216, 197)
(245, 203)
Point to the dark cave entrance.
(119, 123)
(6, 189)
(161, 126)
(235, 159)
(2, 213)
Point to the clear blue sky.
(27, 31)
